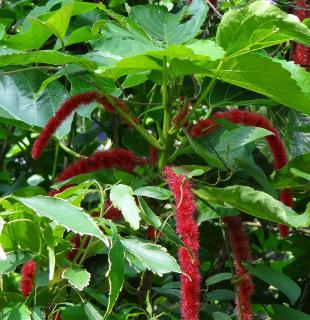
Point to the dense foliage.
(155, 160)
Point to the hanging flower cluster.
(64, 112)
(241, 250)
(187, 228)
(28, 273)
(274, 141)
(301, 53)
(185, 206)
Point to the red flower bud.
(28, 275)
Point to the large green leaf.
(152, 256)
(115, 273)
(279, 80)
(126, 43)
(168, 28)
(13, 57)
(122, 198)
(256, 203)
(277, 279)
(258, 25)
(284, 313)
(18, 100)
(65, 214)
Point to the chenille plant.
(155, 160)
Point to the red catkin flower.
(187, 228)
(179, 117)
(115, 158)
(274, 141)
(301, 53)
(241, 251)
(64, 112)
(28, 275)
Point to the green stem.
(175, 129)
(55, 161)
(150, 139)
(166, 123)
(68, 150)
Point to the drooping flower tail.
(274, 141)
(241, 251)
(64, 112)
(28, 273)
(301, 53)
(115, 158)
(187, 228)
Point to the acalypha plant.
(165, 185)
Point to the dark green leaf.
(220, 295)
(219, 277)
(277, 279)
(284, 313)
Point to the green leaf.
(78, 278)
(115, 273)
(301, 174)
(58, 23)
(213, 211)
(258, 25)
(148, 214)
(208, 155)
(63, 213)
(169, 28)
(153, 257)
(122, 198)
(80, 35)
(277, 279)
(18, 312)
(220, 295)
(256, 203)
(91, 312)
(129, 65)
(154, 192)
(285, 178)
(13, 260)
(34, 36)
(220, 316)
(13, 57)
(219, 277)
(279, 80)
(256, 172)
(18, 99)
(284, 313)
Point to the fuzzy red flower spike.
(187, 228)
(28, 273)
